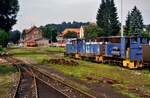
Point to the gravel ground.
(45, 91)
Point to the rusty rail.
(31, 73)
(52, 82)
(18, 83)
(52, 78)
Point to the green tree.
(107, 18)
(8, 13)
(146, 34)
(114, 23)
(93, 31)
(2, 50)
(127, 27)
(70, 35)
(136, 22)
(4, 38)
(50, 32)
(15, 36)
(101, 16)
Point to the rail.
(52, 78)
(18, 83)
(58, 85)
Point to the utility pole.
(121, 18)
(123, 53)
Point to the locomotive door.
(102, 49)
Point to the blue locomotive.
(131, 52)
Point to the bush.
(70, 35)
(6, 69)
(146, 34)
(93, 31)
(1, 49)
(4, 38)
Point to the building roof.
(26, 31)
(30, 32)
(76, 30)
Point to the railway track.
(37, 84)
(26, 86)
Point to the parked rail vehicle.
(132, 52)
(32, 44)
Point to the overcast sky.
(41, 12)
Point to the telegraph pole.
(123, 53)
(122, 18)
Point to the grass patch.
(5, 79)
(38, 57)
(125, 77)
(36, 53)
(121, 88)
(5, 84)
(6, 69)
(35, 50)
(131, 95)
(56, 49)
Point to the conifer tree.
(101, 16)
(136, 22)
(107, 18)
(127, 26)
(115, 25)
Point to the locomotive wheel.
(77, 56)
(138, 64)
(129, 64)
(99, 59)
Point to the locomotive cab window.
(144, 40)
(134, 40)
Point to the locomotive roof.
(114, 39)
(119, 37)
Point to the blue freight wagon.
(131, 52)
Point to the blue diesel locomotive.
(131, 52)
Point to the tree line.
(109, 25)
(52, 30)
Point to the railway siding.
(61, 86)
(32, 79)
